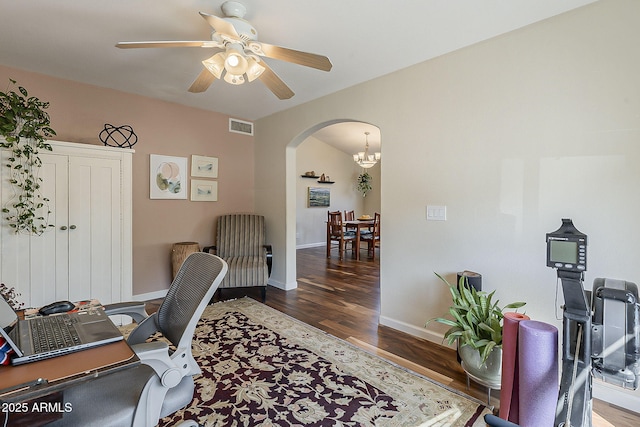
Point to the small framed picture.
(205, 167)
(204, 191)
(319, 197)
(167, 177)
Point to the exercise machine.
(600, 328)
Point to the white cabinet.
(87, 254)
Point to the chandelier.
(363, 158)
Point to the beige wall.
(78, 114)
(512, 135)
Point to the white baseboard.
(163, 293)
(616, 396)
(281, 285)
(413, 330)
(311, 245)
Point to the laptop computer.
(54, 335)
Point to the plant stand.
(491, 385)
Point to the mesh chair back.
(188, 295)
(240, 235)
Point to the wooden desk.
(23, 383)
(358, 225)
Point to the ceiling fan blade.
(186, 43)
(274, 83)
(295, 56)
(220, 25)
(202, 82)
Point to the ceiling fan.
(241, 57)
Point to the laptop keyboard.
(53, 332)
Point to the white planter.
(488, 373)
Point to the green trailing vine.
(25, 126)
(364, 183)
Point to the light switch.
(436, 213)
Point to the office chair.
(163, 383)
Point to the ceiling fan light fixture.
(215, 64)
(255, 69)
(236, 62)
(234, 79)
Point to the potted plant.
(364, 183)
(25, 125)
(476, 325)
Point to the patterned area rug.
(261, 367)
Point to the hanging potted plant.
(25, 125)
(364, 183)
(476, 325)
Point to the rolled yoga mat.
(509, 389)
(538, 373)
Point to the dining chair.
(350, 216)
(337, 233)
(372, 238)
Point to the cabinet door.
(37, 265)
(87, 254)
(95, 229)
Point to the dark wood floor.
(343, 299)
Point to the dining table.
(358, 225)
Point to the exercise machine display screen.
(567, 248)
(563, 252)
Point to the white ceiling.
(364, 39)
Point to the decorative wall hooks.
(118, 136)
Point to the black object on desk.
(57, 307)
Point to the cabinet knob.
(64, 227)
(72, 226)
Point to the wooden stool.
(180, 252)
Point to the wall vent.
(240, 126)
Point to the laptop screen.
(8, 321)
(8, 316)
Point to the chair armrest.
(208, 249)
(269, 258)
(155, 354)
(134, 309)
(151, 350)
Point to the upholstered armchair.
(241, 242)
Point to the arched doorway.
(327, 149)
